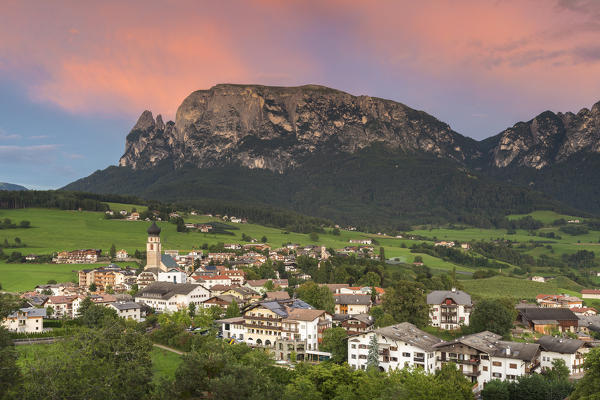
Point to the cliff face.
(275, 128)
(548, 139)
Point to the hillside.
(11, 186)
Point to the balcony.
(261, 318)
(419, 359)
(472, 373)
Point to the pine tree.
(373, 356)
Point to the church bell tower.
(153, 247)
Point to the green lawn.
(545, 216)
(164, 363)
(23, 277)
(502, 286)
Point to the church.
(156, 262)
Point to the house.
(590, 294)
(400, 345)
(122, 254)
(25, 320)
(127, 310)
(571, 351)
(449, 309)
(444, 243)
(484, 356)
(222, 301)
(544, 320)
(284, 327)
(334, 288)
(259, 284)
(465, 246)
(35, 299)
(62, 306)
(174, 275)
(237, 276)
(134, 216)
(558, 300)
(88, 256)
(280, 295)
(232, 328)
(232, 246)
(168, 297)
(584, 311)
(355, 324)
(211, 280)
(352, 303)
(243, 295)
(361, 241)
(538, 279)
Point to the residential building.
(558, 300)
(88, 256)
(243, 295)
(361, 241)
(25, 320)
(173, 275)
(571, 351)
(590, 294)
(62, 306)
(545, 320)
(352, 303)
(401, 345)
(212, 280)
(484, 356)
(284, 327)
(355, 324)
(449, 309)
(259, 284)
(168, 297)
(127, 310)
(280, 295)
(222, 301)
(122, 254)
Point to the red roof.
(590, 291)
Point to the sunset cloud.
(123, 57)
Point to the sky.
(75, 76)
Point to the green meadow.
(56, 230)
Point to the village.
(555, 327)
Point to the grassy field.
(57, 230)
(22, 277)
(164, 363)
(545, 216)
(502, 286)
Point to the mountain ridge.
(290, 131)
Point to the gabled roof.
(302, 314)
(280, 295)
(30, 311)
(560, 345)
(125, 305)
(166, 290)
(458, 296)
(545, 314)
(407, 332)
(358, 299)
(168, 261)
(490, 343)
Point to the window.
(353, 356)
(395, 359)
(393, 348)
(496, 363)
(405, 354)
(513, 366)
(513, 377)
(496, 375)
(362, 356)
(353, 346)
(485, 368)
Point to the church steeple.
(153, 247)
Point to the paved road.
(172, 350)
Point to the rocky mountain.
(354, 159)
(547, 140)
(276, 128)
(11, 186)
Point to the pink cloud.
(122, 57)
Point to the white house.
(401, 345)
(571, 351)
(352, 303)
(590, 294)
(484, 356)
(25, 320)
(168, 297)
(173, 275)
(127, 310)
(449, 309)
(213, 280)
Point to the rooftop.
(407, 332)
